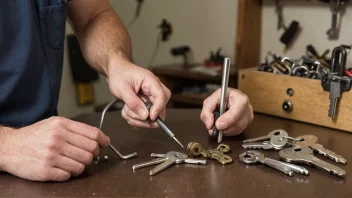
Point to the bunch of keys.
(195, 150)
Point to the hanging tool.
(159, 120)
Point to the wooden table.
(116, 178)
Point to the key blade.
(278, 167)
(320, 164)
(257, 139)
(258, 145)
(293, 167)
(157, 155)
(195, 161)
(149, 163)
(162, 166)
(254, 145)
(335, 93)
(328, 153)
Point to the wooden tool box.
(296, 98)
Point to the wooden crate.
(267, 92)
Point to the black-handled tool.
(160, 121)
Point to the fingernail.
(143, 113)
(210, 131)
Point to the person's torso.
(32, 36)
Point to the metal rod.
(160, 121)
(224, 86)
(112, 148)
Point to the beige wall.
(314, 18)
(202, 24)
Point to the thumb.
(135, 104)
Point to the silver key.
(253, 157)
(304, 155)
(275, 143)
(273, 133)
(334, 96)
(167, 160)
(312, 142)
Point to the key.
(334, 96)
(275, 143)
(267, 137)
(333, 32)
(254, 157)
(304, 155)
(167, 160)
(195, 149)
(312, 142)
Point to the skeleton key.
(312, 142)
(195, 149)
(333, 32)
(304, 155)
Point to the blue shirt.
(32, 36)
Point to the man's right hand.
(52, 150)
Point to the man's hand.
(126, 80)
(52, 149)
(238, 116)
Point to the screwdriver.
(160, 121)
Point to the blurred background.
(184, 42)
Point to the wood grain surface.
(116, 178)
(267, 92)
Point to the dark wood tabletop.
(115, 178)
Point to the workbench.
(115, 178)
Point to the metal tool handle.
(224, 85)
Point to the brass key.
(195, 149)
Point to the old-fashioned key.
(333, 32)
(195, 149)
(273, 133)
(312, 142)
(304, 155)
(254, 157)
(167, 160)
(276, 143)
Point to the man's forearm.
(5, 133)
(103, 39)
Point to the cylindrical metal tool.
(160, 121)
(224, 85)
